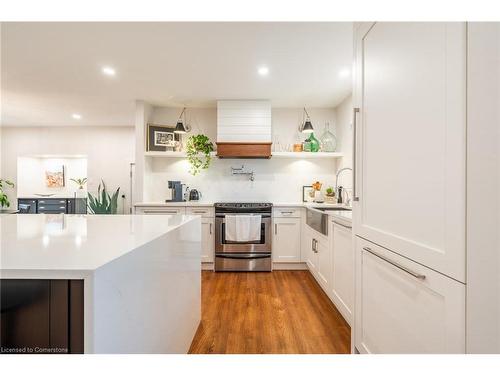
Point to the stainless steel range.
(254, 255)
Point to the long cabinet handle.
(354, 152)
(342, 225)
(210, 228)
(275, 228)
(402, 268)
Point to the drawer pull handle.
(287, 212)
(402, 268)
(199, 211)
(159, 212)
(342, 225)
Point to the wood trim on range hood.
(244, 150)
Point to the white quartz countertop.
(344, 217)
(175, 204)
(210, 203)
(76, 242)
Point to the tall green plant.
(198, 148)
(4, 199)
(103, 203)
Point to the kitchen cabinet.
(160, 210)
(324, 262)
(42, 316)
(207, 231)
(286, 239)
(404, 307)
(53, 205)
(410, 141)
(207, 224)
(342, 286)
(207, 240)
(317, 253)
(308, 253)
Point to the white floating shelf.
(275, 154)
(307, 155)
(169, 154)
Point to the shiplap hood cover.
(244, 128)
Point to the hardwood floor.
(268, 313)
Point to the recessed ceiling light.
(263, 70)
(76, 116)
(108, 71)
(344, 73)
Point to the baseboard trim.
(289, 266)
(207, 266)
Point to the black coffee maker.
(176, 191)
(194, 195)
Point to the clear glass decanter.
(328, 140)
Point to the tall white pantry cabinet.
(412, 120)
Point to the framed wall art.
(161, 138)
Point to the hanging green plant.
(198, 149)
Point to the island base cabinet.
(41, 316)
(404, 307)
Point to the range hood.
(244, 129)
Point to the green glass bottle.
(314, 143)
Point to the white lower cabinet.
(207, 240)
(342, 286)
(286, 240)
(160, 210)
(207, 224)
(404, 307)
(308, 253)
(317, 255)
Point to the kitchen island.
(99, 283)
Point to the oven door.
(261, 246)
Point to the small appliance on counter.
(177, 191)
(194, 195)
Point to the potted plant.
(330, 195)
(80, 182)
(103, 203)
(198, 149)
(4, 199)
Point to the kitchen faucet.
(337, 181)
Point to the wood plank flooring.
(268, 313)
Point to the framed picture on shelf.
(161, 138)
(307, 194)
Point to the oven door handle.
(243, 256)
(264, 216)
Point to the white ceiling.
(51, 70)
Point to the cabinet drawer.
(158, 210)
(51, 202)
(203, 211)
(404, 307)
(287, 212)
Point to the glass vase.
(314, 143)
(328, 140)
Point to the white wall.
(109, 151)
(277, 180)
(31, 175)
(344, 113)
